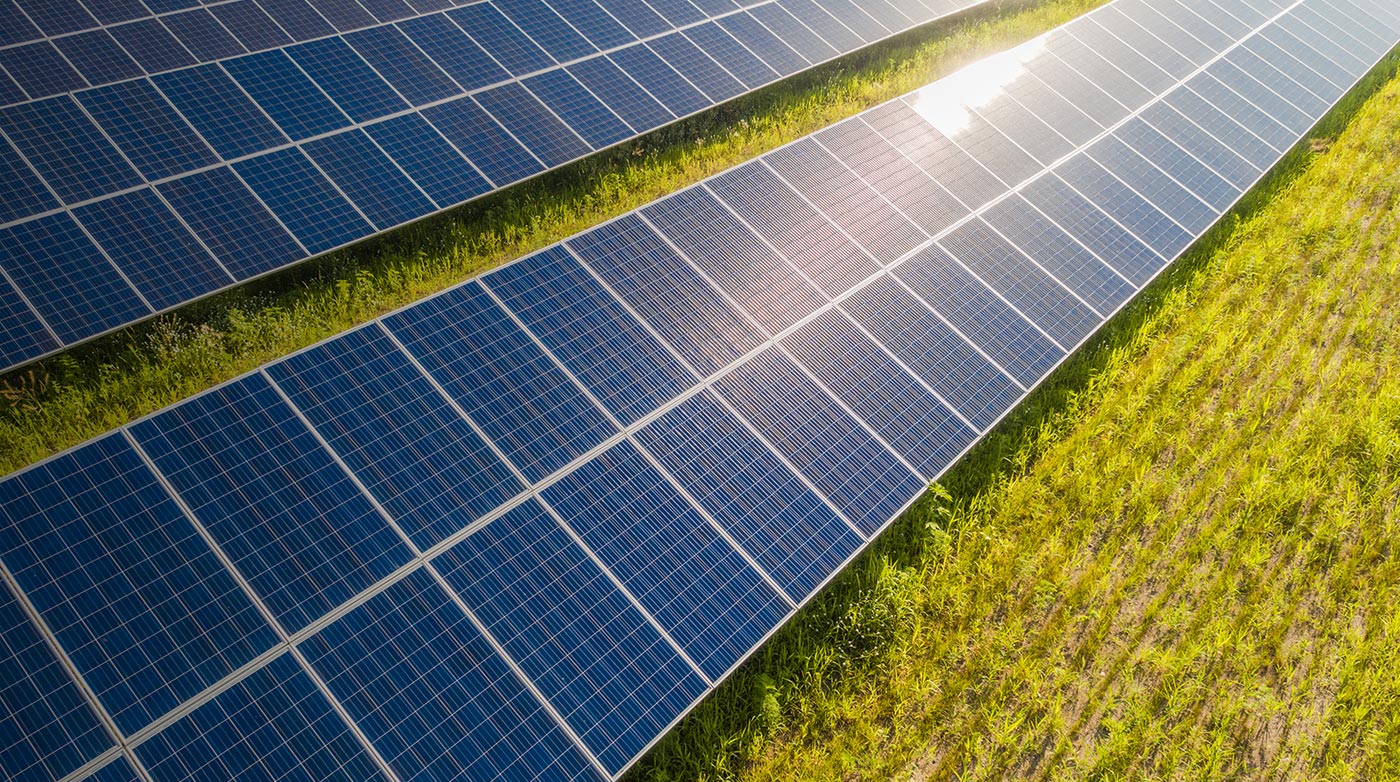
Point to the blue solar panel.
(829, 447)
(638, 16)
(274, 724)
(15, 26)
(152, 45)
(504, 381)
(733, 56)
(292, 100)
(433, 697)
(346, 78)
(415, 76)
(668, 293)
(629, 371)
(1038, 296)
(697, 67)
(697, 586)
(891, 401)
(499, 156)
(231, 222)
(627, 99)
(149, 244)
(1136, 63)
(1093, 66)
(932, 151)
(783, 524)
(119, 770)
(792, 32)
(1123, 252)
(547, 28)
(220, 111)
(143, 607)
(397, 433)
(1177, 163)
(303, 199)
(612, 676)
(98, 57)
(114, 11)
(22, 335)
(735, 258)
(67, 150)
(25, 193)
(276, 502)
(861, 23)
(579, 108)
(677, 12)
(1148, 223)
(535, 125)
(453, 51)
(660, 79)
(1149, 182)
(40, 70)
(46, 256)
(304, 22)
(1211, 141)
(372, 181)
(428, 159)
(1241, 110)
(251, 25)
(823, 24)
(47, 728)
(511, 47)
(589, 18)
(203, 36)
(752, 35)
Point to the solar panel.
(516, 530)
(435, 106)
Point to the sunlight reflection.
(945, 103)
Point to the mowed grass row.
(89, 390)
(1177, 560)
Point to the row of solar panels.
(516, 530)
(134, 197)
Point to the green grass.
(1177, 560)
(89, 390)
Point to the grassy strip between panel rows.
(1176, 560)
(86, 391)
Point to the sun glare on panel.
(947, 103)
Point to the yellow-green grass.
(86, 391)
(1177, 560)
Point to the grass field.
(91, 389)
(1178, 560)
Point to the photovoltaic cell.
(579, 108)
(749, 32)
(203, 36)
(303, 199)
(432, 695)
(1202, 138)
(98, 57)
(545, 27)
(453, 51)
(221, 112)
(1093, 228)
(147, 129)
(292, 100)
(1151, 183)
(251, 25)
(276, 502)
(152, 45)
(733, 56)
(428, 159)
(503, 380)
(403, 65)
(400, 436)
(603, 667)
(1147, 222)
(592, 335)
(231, 222)
(861, 478)
(372, 181)
(484, 142)
(510, 47)
(345, 77)
(1177, 163)
(632, 103)
(786, 527)
(25, 193)
(660, 79)
(67, 149)
(702, 71)
(140, 603)
(274, 724)
(535, 125)
(589, 18)
(22, 335)
(706, 596)
(938, 156)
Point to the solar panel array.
(516, 530)
(155, 151)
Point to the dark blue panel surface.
(922, 200)
(416, 77)
(822, 23)
(484, 142)
(25, 193)
(202, 34)
(144, 609)
(762, 42)
(978, 313)
(1189, 211)
(709, 599)
(233, 224)
(389, 10)
(1059, 254)
(222, 113)
(118, 770)
(1115, 246)
(734, 257)
(67, 149)
(846, 200)
(696, 66)
(660, 79)
(547, 28)
(152, 45)
(741, 63)
(9, 91)
(498, 35)
(891, 401)
(303, 22)
(638, 16)
(147, 129)
(863, 479)
(1152, 226)
(667, 293)
(785, 526)
(293, 101)
(611, 675)
(251, 25)
(624, 96)
(67, 279)
(47, 729)
(276, 502)
(433, 697)
(851, 15)
(806, 238)
(56, 17)
(98, 57)
(1035, 294)
(146, 241)
(22, 336)
(589, 18)
(574, 104)
(346, 78)
(428, 159)
(795, 34)
(403, 440)
(504, 381)
(925, 343)
(615, 357)
(275, 724)
(453, 51)
(15, 27)
(1178, 164)
(536, 126)
(364, 173)
(932, 151)
(303, 199)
